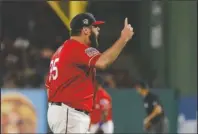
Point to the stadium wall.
(128, 110)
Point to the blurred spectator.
(44, 61)
(122, 78)
(10, 81)
(109, 81)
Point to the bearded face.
(94, 37)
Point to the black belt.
(60, 104)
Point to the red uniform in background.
(102, 102)
(72, 74)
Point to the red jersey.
(72, 75)
(102, 102)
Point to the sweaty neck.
(79, 39)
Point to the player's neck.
(79, 39)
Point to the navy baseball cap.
(84, 19)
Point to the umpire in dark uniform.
(155, 121)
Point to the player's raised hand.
(127, 31)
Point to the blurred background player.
(101, 116)
(155, 121)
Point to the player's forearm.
(152, 115)
(111, 54)
(104, 116)
(155, 112)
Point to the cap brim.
(98, 23)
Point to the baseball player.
(101, 116)
(70, 82)
(155, 121)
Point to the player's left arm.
(156, 111)
(104, 115)
(105, 103)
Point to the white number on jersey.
(53, 70)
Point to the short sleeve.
(154, 103)
(88, 56)
(155, 100)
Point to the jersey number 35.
(53, 69)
